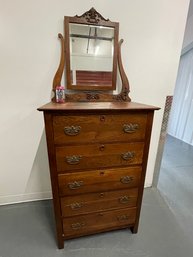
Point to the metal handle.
(77, 225)
(122, 218)
(130, 128)
(128, 156)
(74, 159)
(76, 206)
(126, 179)
(75, 184)
(72, 130)
(124, 199)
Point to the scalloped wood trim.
(92, 16)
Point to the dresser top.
(72, 106)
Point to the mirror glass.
(91, 54)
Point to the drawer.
(99, 180)
(97, 128)
(70, 158)
(96, 222)
(94, 202)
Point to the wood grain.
(99, 128)
(98, 156)
(53, 175)
(100, 201)
(97, 107)
(97, 221)
(134, 229)
(98, 180)
(100, 142)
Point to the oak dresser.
(98, 155)
(97, 138)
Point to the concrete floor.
(176, 181)
(27, 229)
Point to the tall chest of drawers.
(98, 156)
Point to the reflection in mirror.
(91, 54)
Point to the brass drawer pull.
(130, 128)
(128, 156)
(126, 179)
(122, 218)
(124, 199)
(74, 159)
(76, 206)
(75, 184)
(72, 130)
(78, 225)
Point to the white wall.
(153, 32)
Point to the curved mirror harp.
(91, 53)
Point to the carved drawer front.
(91, 223)
(98, 180)
(70, 158)
(94, 202)
(97, 128)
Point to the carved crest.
(92, 16)
(90, 96)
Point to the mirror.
(91, 52)
(91, 55)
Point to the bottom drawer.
(93, 223)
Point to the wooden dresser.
(98, 155)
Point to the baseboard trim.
(13, 199)
(147, 185)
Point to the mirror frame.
(92, 17)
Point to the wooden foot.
(61, 243)
(134, 229)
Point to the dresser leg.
(134, 229)
(60, 243)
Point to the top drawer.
(99, 128)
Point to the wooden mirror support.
(91, 17)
